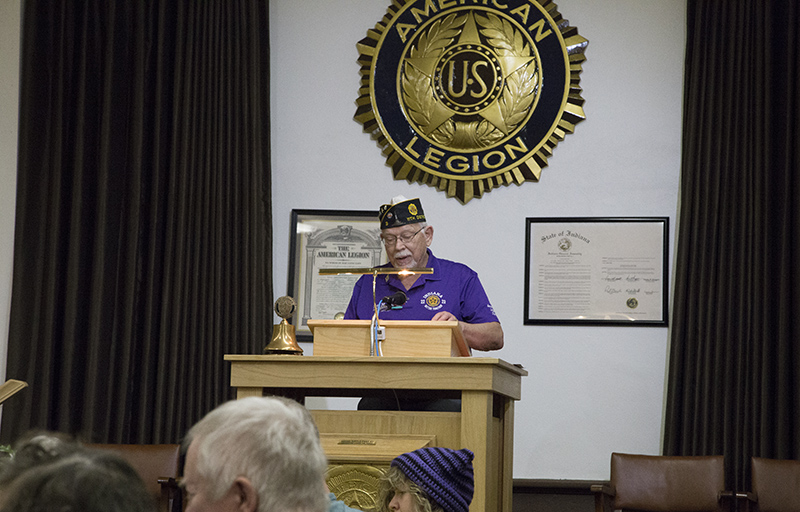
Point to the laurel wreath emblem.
(418, 93)
(469, 80)
(515, 103)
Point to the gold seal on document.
(466, 98)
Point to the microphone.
(396, 299)
(378, 333)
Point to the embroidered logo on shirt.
(433, 301)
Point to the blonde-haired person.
(428, 480)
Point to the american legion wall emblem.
(469, 95)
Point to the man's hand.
(488, 336)
(442, 316)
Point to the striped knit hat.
(444, 474)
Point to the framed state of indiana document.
(596, 271)
(329, 239)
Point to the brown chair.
(775, 485)
(158, 466)
(653, 483)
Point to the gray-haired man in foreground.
(259, 454)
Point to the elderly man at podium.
(452, 292)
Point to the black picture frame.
(596, 271)
(312, 237)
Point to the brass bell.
(284, 340)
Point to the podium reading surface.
(487, 388)
(413, 338)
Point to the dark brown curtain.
(734, 370)
(143, 227)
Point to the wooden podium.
(412, 338)
(487, 388)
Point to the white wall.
(10, 18)
(591, 390)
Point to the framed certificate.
(596, 271)
(328, 239)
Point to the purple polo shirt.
(452, 287)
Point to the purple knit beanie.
(444, 474)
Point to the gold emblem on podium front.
(356, 485)
(465, 95)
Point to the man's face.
(411, 254)
(197, 498)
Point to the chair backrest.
(667, 484)
(776, 484)
(151, 461)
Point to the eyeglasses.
(391, 240)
